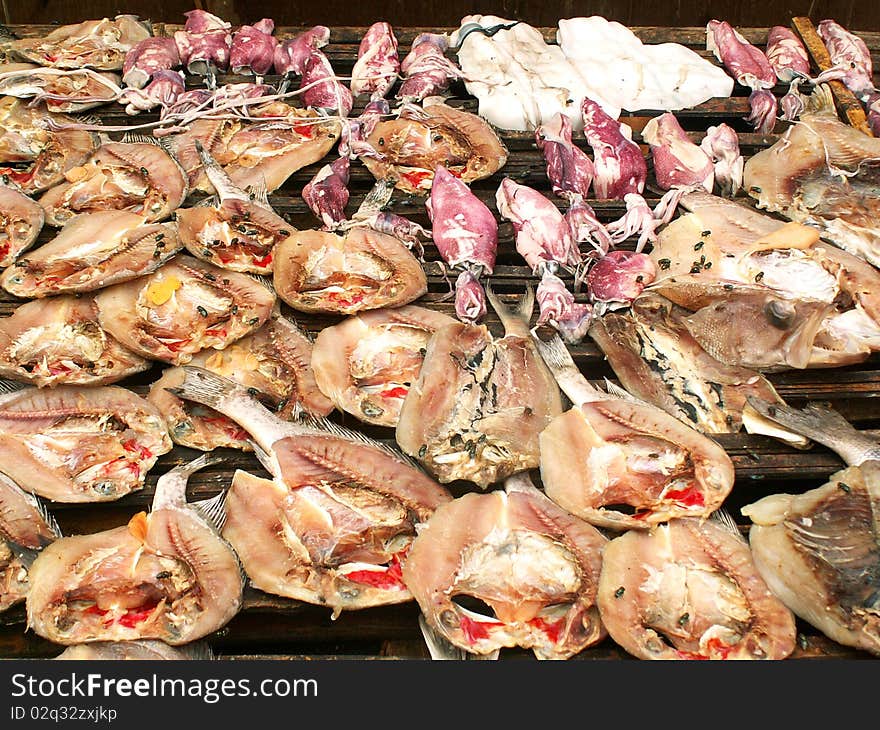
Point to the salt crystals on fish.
(480, 402)
(166, 575)
(690, 589)
(26, 527)
(336, 520)
(80, 443)
(531, 567)
(367, 363)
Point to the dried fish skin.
(166, 575)
(334, 524)
(367, 363)
(21, 220)
(480, 402)
(823, 173)
(145, 650)
(184, 306)
(98, 44)
(320, 271)
(34, 157)
(92, 251)
(80, 443)
(265, 149)
(26, 527)
(535, 565)
(139, 177)
(274, 362)
(621, 463)
(819, 552)
(408, 149)
(691, 590)
(59, 341)
(659, 361)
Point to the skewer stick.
(848, 106)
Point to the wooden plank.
(848, 106)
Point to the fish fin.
(613, 389)
(198, 651)
(571, 380)
(212, 201)
(291, 322)
(213, 510)
(507, 316)
(134, 138)
(259, 193)
(375, 200)
(38, 504)
(816, 421)
(205, 387)
(264, 280)
(821, 101)
(264, 457)
(91, 119)
(26, 555)
(439, 647)
(325, 424)
(171, 486)
(725, 520)
(11, 386)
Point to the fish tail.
(558, 359)
(171, 486)
(213, 510)
(203, 386)
(820, 423)
(513, 320)
(191, 467)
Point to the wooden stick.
(848, 105)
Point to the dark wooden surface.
(670, 13)
(275, 627)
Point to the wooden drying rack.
(273, 627)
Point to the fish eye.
(780, 314)
(105, 488)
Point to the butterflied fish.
(690, 590)
(819, 551)
(823, 173)
(235, 230)
(274, 364)
(727, 260)
(165, 575)
(139, 177)
(92, 250)
(659, 361)
(80, 443)
(98, 44)
(72, 90)
(185, 306)
(531, 566)
(137, 650)
(321, 271)
(480, 402)
(58, 340)
(26, 527)
(334, 524)
(270, 145)
(21, 220)
(621, 463)
(34, 157)
(367, 364)
(409, 148)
